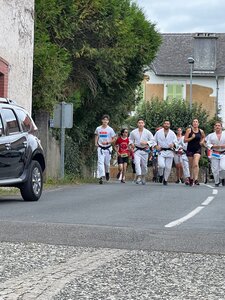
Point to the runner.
(195, 138)
(123, 152)
(141, 140)
(216, 142)
(165, 139)
(181, 148)
(177, 157)
(104, 137)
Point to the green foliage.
(176, 111)
(91, 53)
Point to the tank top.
(194, 144)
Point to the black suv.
(22, 160)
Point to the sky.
(175, 16)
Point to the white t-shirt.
(105, 135)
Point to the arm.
(96, 140)
(202, 141)
(186, 138)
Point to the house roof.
(172, 57)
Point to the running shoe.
(160, 179)
(165, 182)
(122, 181)
(107, 176)
(191, 182)
(196, 182)
(187, 182)
(217, 184)
(138, 181)
(100, 181)
(177, 181)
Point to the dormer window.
(205, 52)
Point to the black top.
(194, 145)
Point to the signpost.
(63, 118)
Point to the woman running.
(195, 138)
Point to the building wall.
(16, 48)
(203, 91)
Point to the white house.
(170, 73)
(16, 50)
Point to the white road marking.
(185, 218)
(207, 201)
(195, 211)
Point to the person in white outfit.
(216, 142)
(165, 139)
(104, 138)
(141, 139)
(178, 156)
(181, 149)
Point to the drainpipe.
(217, 95)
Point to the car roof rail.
(7, 100)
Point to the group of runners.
(185, 150)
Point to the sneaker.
(107, 176)
(191, 181)
(122, 181)
(164, 182)
(143, 182)
(187, 182)
(217, 184)
(181, 180)
(223, 182)
(196, 182)
(160, 179)
(100, 181)
(177, 181)
(138, 181)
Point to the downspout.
(217, 95)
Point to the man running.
(216, 142)
(165, 139)
(104, 137)
(141, 139)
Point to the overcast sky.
(185, 15)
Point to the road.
(99, 241)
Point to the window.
(25, 121)
(11, 121)
(174, 90)
(1, 127)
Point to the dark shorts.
(122, 160)
(193, 152)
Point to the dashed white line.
(185, 218)
(193, 212)
(207, 201)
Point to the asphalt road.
(114, 242)
(126, 216)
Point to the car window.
(11, 120)
(25, 121)
(1, 127)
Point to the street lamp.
(191, 62)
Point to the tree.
(91, 53)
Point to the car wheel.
(31, 189)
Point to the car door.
(12, 146)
